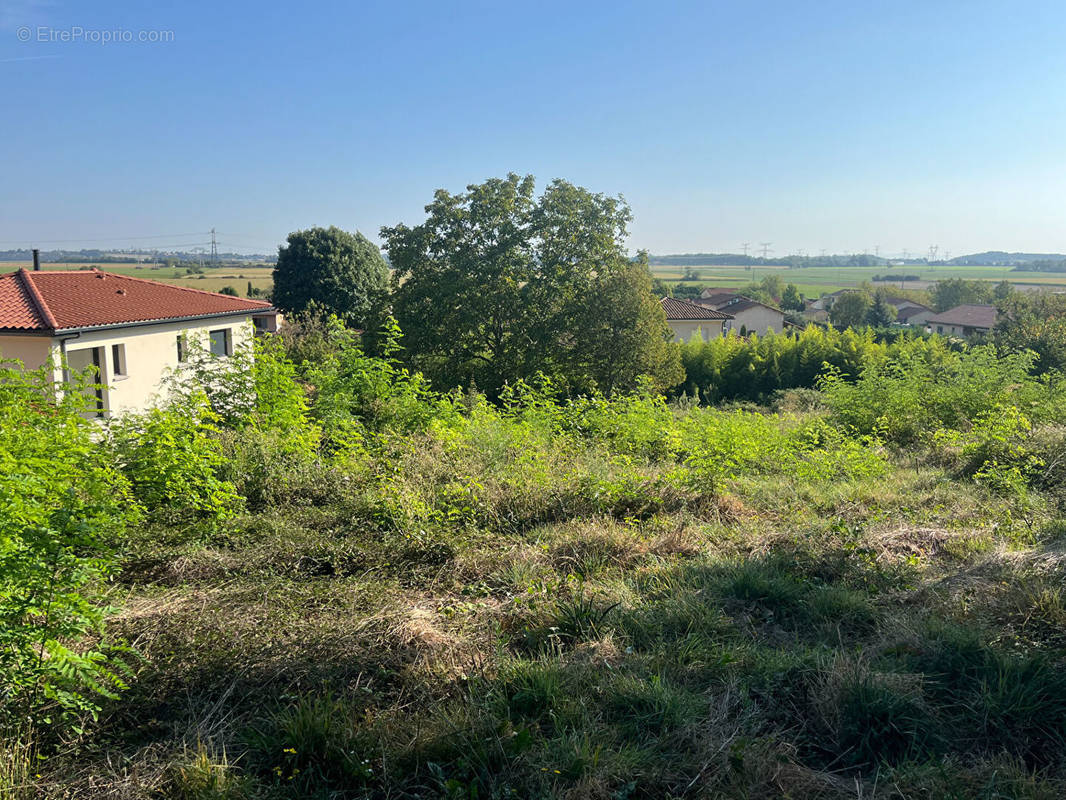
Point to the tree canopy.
(850, 310)
(497, 285)
(953, 292)
(791, 299)
(332, 271)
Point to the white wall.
(685, 329)
(151, 352)
(953, 330)
(32, 351)
(757, 319)
(921, 318)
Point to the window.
(183, 350)
(221, 344)
(118, 360)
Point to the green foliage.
(497, 285)
(63, 507)
(206, 776)
(171, 457)
(1034, 321)
(881, 313)
(254, 387)
(995, 450)
(791, 299)
(355, 391)
(953, 292)
(924, 387)
(330, 270)
(850, 310)
(736, 368)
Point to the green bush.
(172, 458)
(63, 511)
(923, 388)
(753, 368)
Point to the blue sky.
(835, 125)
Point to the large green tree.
(331, 271)
(850, 310)
(953, 292)
(1036, 322)
(498, 284)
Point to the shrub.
(172, 458)
(923, 388)
(63, 509)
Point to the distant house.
(131, 329)
(902, 303)
(689, 319)
(749, 316)
(964, 320)
(913, 314)
(825, 302)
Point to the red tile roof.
(682, 309)
(55, 300)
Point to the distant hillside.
(998, 258)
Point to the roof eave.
(165, 320)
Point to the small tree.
(63, 508)
(881, 313)
(332, 270)
(791, 299)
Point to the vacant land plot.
(607, 599)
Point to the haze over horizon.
(839, 128)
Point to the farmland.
(813, 281)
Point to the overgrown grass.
(595, 599)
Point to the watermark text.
(77, 34)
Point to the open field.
(813, 281)
(212, 279)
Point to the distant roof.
(744, 303)
(55, 300)
(712, 290)
(909, 311)
(717, 298)
(682, 309)
(732, 302)
(967, 316)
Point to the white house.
(913, 314)
(749, 315)
(964, 320)
(133, 330)
(688, 319)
